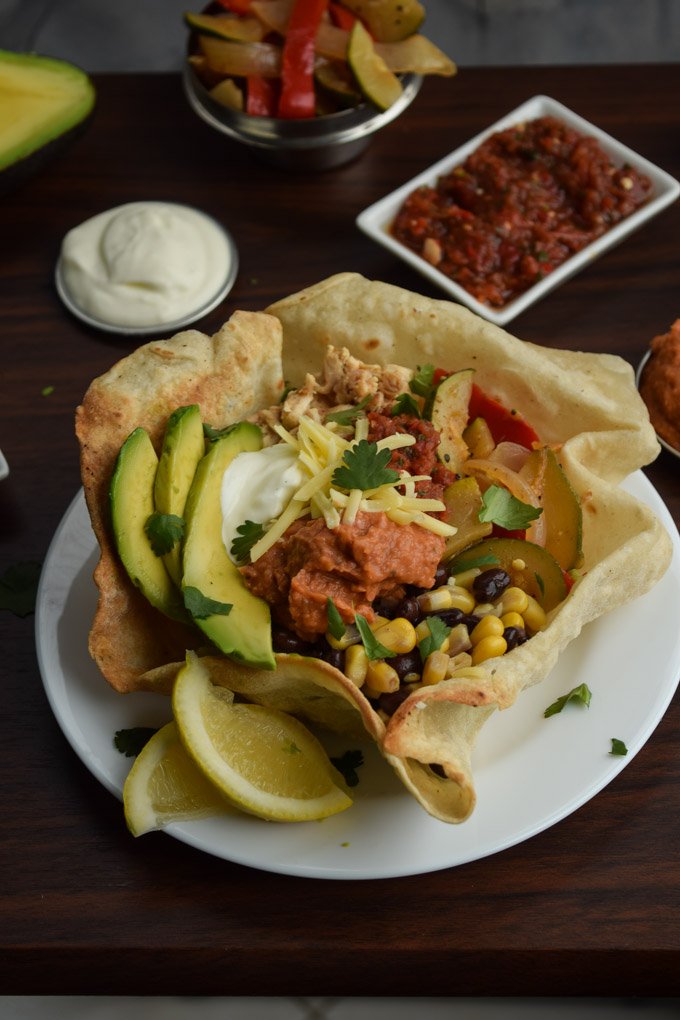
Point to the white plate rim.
(410, 842)
(375, 219)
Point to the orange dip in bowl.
(660, 385)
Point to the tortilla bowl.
(585, 405)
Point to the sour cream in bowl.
(145, 266)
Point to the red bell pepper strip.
(236, 6)
(297, 98)
(342, 18)
(505, 425)
(260, 96)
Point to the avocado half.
(42, 102)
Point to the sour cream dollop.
(146, 264)
(257, 487)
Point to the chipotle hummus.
(660, 385)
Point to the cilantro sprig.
(248, 534)
(202, 606)
(364, 466)
(433, 641)
(618, 747)
(502, 508)
(406, 404)
(164, 531)
(374, 648)
(581, 695)
(422, 382)
(348, 415)
(336, 626)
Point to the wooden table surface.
(589, 907)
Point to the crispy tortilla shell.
(585, 405)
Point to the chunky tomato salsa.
(525, 201)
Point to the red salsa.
(525, 201)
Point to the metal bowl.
(319, 143)
(638, 376)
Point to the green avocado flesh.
(132, 504)
(183, 448)
(41, 99)
(245, 633)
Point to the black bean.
(451, 617)
(388, 606)
(471, 621)
(391, 702)
(441, 576)
(287, 641)
(514, 636)
(490, 584)
(407, 662)
(334, 657)
(409, 609)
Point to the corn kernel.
(462, 599)
(398, 635)
(465, 579)
(488, 648)
(435, 667)
(438, 598)
(459, 639)
(356, 664)
(382, 677)
(513, 620)
(350, 637)
(485, 609)
(534, 616)
(379, 621)
(488, 626)
(514, 600)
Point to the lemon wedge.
(164, 785)
(263, 761)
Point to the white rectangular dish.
(375, 221)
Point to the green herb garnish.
(47, 391)
(336, 626)
(433, 642)
(423, 381)
(406, 404)
(131, 742)
(364, 466)
(347, 764)
(580, 694)
(249, 533)
(487, 560)
(350, 414)
(618, 747)
(374, 649)
(502, 508)
(212, 434)
(201, 607)
(19, 587)
(164, 531)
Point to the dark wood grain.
(589, 907)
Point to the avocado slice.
(41, 100)
(183, 448)
(131, 496)
(449, 415)
(389, 20)
(245, 633)
(530, 567)
(373, 76)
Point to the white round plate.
(531, 772)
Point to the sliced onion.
(511, 455)
(498, 474)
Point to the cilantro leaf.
(347, 764)
(350, 414)
(19, 587)
(364, 466)
(336, 626)
(164, 531)
(423, 381)
(581, 694)
(374, 649)
(406, 404)
(438, 634)
(130, 742)
(201, 606)
(618, 747)
(212, 434)
(249, 533)
(501, 507)
(488, 560)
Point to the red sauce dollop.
(525, 201)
